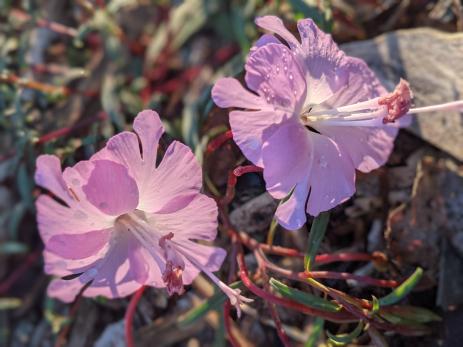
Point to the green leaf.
(319, 11)
(219, 334)
(110, 101)
(303, 297)
(190, 125)
(342, 339)
(376, 306)
(25, 185)
(409, 314)
(196, 313)
(271, 231)
(317, 328)
(9, 303)
(13, 247)
(317, 232)
(238, 21)
(402, 291)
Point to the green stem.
(271, 232)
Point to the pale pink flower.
(311, 117)
(121, 221)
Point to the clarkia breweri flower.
(311, 117)
(120, 220)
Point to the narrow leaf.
(404, 314)
(200, 311)
(317, 328)
(13, 247)
(317, 232)
(9, 303)
(402, 291)
(213, 303)
(343, 339)
(376, 305)
(303, 297)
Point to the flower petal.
(286, 157)
(186, 223)
(324, 62)
(275, 25)
(368, 147)
(149, 128)
(124, 149)
(264, 40)
(228, 92)
(174, 183)
(78, 246)
(209, 257)
(125, 267)
(111, 189)
(273, 73)
(64, 290)
(249, 129)
(49, 176)
(291, 214)
(332, 176)
(55, 219)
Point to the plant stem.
(129, 316)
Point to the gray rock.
(432, 61)
(255, 215)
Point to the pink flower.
(311, 118)
(120, 221)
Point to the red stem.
(348, 276)
(129, 316)
(218, 141)
(228, 327)
(61, 338)
(233, 178)
(278, 326)
(291, 252)
(65, 131)
(303, 276)
(19, 271)
(341, 316)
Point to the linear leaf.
(317, 328)
(317, 232)
(402, 291)
(303, 297)
(343, 339)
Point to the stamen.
(398, 102)
(73, 194)
(234, 295)
(172, 275)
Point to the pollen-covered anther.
(398, 102)
(172, 275)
